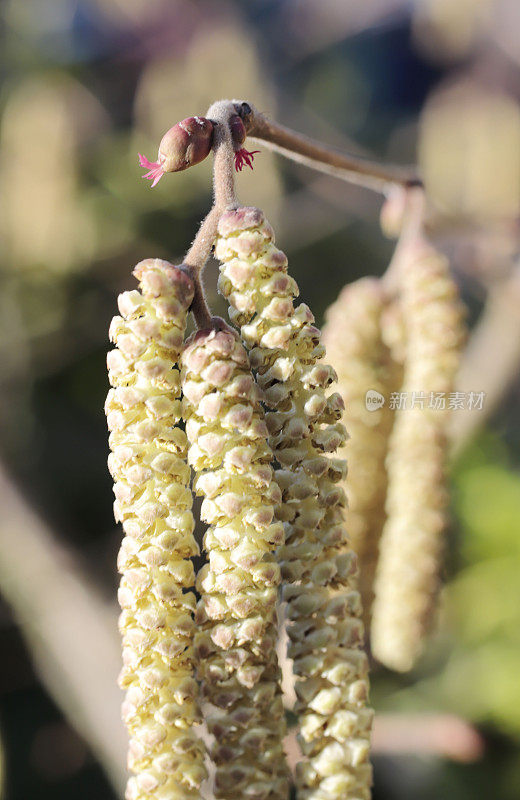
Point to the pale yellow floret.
(412, 540)
(318, 570)
(236, 615)
(353, 336)
(153, 503)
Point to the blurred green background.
(86, 85)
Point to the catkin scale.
(236, 615)
(153, 503)
(411, 546)
(318, 569)
(353, 337)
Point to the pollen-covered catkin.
(236, 637)
(153, 502)
(412, 540)
(318, 570)
(366, 376)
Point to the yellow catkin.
(412, 540)
(153, 502)
(353, 338)
(393, 334)
(236, 616)
(318, 570)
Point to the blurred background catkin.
(87, 84)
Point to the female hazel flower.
(318, 569)
(353, 336)
(236, 615)
(189, 142)
(153, 502)
(412, 540)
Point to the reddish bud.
(243, 157)
(186, 144)
(238, 131)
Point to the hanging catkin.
(412, 540)
(236, 616)
(325, 630)
(153, 502)
(353, 337)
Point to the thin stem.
(223, 150)
(224, 198)
(199, 307)
(411, 234)
(200, 249)
(304, 150)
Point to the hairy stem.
(411, 231)
(199, 307)
(304, 150)
(223, 164)
(224, 198)
(200, 249)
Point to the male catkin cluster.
(153, 502)
(236, 615)
(367, 375)
(325, 630)
(412, 542)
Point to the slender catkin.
(354, 340)
(412, 540)
(325, 630)
(153, 502)
(236, 615)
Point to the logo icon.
(373, 400)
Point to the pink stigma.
(155, 172)
(243, 158)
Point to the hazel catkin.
(411, 545)
(318, 569)
(353, 336)
(236, 615)
(153, 502)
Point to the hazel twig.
(224, 198)
(224, 153)
(409, 208)
(311, 153)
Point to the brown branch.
(295, 146)
(302, 149)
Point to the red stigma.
(155, 172)
(244, 158)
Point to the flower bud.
(238, 131)
(186, 144)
